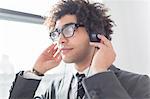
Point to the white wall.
(131, 35)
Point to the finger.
(50, 50)
(56, 52)
(105, 40)
(58, 57)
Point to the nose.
(62, 39)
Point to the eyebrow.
(64, 26)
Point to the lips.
(65, 50)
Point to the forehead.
(65, 20)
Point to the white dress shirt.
(74, 82)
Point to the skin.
(78, 50)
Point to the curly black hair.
(92, 15)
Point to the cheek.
(81, 44)
(81, 37)
(80, 41)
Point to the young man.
(73, 24)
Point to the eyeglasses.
(67, 31)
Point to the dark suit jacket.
(114, 84)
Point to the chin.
(67, 60)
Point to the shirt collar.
(87, 71)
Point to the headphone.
(93, 37)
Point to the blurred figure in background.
(6, 75)
(6, 67)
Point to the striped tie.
(80, 90)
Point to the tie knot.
(80, 76)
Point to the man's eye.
(54, 34)
(69, 29)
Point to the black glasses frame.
(60, 30)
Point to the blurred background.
(23, 37)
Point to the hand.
(48, 59)
(104, 56)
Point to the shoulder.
(126, 76)
(134, 83)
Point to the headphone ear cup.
(93, 37)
